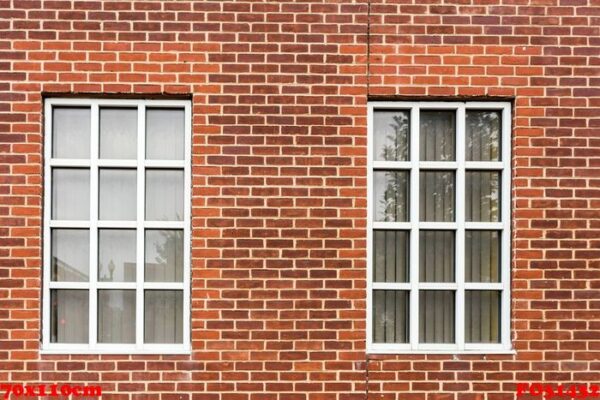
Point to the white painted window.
(438, 227)
(116, 226)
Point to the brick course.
(279, 94)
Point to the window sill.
(407, 351)
(117, 349)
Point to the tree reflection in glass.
(483, 135)
(437, 135)
(482, 200)
(391, 133)
(391, 196)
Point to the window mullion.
(370, 244)
(505, 197)
(93, 313)
(414, 232)
(460, 231)
(187, 240)
(47, 213)
(140, 234)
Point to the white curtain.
(164, 256)
(70, 255)
(164, 134)
(116, 316)
(117, 255)
(71, 132)
(118, 193)
(70, 311)
(118, 133)
(164, 195)
(70, 194)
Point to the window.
(116, 226)
(438, 227)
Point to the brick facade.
(279, 92)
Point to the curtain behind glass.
(390, 316)
(436, 316)
(482, 316)
(437, 135)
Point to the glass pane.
(118, 133)
(163, 316)
(70, 255)
(390, 256)
(164, 134)
(69, 316)
(116, 316)
(482, 316)
(482, 201)
(71, 132)
(164, 256)
(391, 131)
(483, 135)
(437, 196)
(436, 259)
(436, 316)
(390, 316)
(482, 256)
(118, 194)
(391, 195)
(164, 195)
(437, 135)
(116, 255)
(70, 194)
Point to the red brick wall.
(278, 261)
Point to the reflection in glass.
(164, 256)
(118, 194)
(118, 133)
(70, 194)
(391, 134)
(436, 260)
(482, 256)
(116, 316)
(483, 135)
(437, 196)
(69, 316)
(482, 316)
(436, 316)
(390, 256)
(163, 316)
(71, 132)
(391, 195)
(482, 196)
(70, 254)
(116, 255)
(437, 134)
(164, 133)
(164, 195)
(390, 316)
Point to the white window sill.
(394, 350)
(117, 349)
(433, 352)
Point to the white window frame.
(413, 285)
(140, 164)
